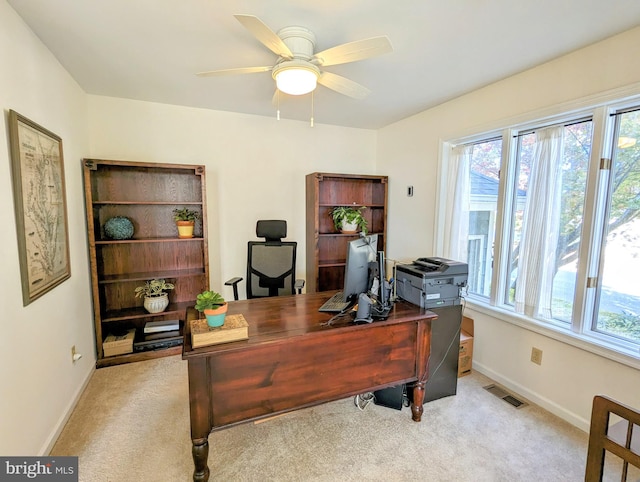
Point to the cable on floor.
(363, 400)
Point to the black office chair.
(271, 264)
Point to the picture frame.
(37, 168)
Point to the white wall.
(39, 383)
(409, 150)
(256, 166)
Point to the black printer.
(431, 282)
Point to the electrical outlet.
(536, 355)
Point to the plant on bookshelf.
(348, 219)
(213, 306)
(156, 298)
(185, 219)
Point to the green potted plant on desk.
(185, 219)
(213, 306)
(348, 219)
(156, 298)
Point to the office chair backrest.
(271, 266)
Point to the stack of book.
(159, 334)
(162, 328)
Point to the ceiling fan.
(298, 68)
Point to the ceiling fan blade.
(343, 85)
(264, 34)
(354, 51)
(241, 70)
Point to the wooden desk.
(293, 360)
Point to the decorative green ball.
(118, 227)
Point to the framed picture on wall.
(37, 168)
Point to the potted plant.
(213, 306)
(185, 219)
(156, 298)
(348, 219)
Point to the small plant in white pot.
(213, 306)
(156, 298)
(348, 219)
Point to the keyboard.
(335, 304)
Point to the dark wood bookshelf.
(146, 193)
(327, 247)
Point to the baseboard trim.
(64, 418)
(534, 397)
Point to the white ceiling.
(150, 49)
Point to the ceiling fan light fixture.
(296, 77)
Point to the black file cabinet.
(445, 349)
(443, 362)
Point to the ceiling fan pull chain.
(278, 108)
(311, 108)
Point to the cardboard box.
(465, 358)
(119, 345)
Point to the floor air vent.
(504, 395)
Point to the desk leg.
(423, 355)
(418, 398)
(200, 454)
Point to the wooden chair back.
(621, 439)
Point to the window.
(555, 218)
(484, 177)
(556, 237)
(618, 298)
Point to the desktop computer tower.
(392, 397)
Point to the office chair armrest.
(234, 282)
(298, 285)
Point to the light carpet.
(132, 424)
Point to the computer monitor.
(360, 252)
